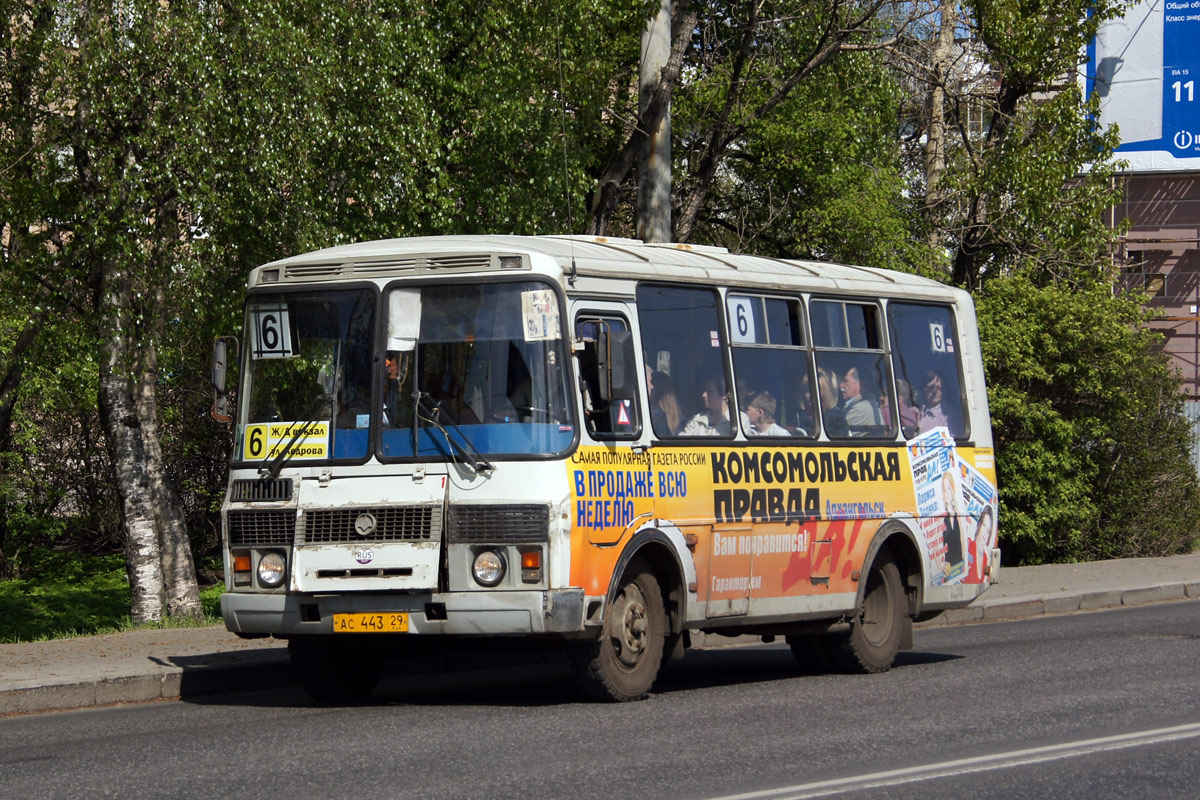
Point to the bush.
(68, 594)
(1092, 449)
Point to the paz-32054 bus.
(611, 444)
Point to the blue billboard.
(1145, 67)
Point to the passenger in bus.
(714, 419)
(831, 410)
(800, 421)
(936, 413)
(666, 416)
(761, 414)
(861, 413)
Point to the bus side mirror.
(617, 365)
(220, 407)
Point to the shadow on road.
(542, 678)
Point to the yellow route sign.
(268, 439)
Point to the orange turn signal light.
(241, 563)
(531, 559)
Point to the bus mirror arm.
(220, 408)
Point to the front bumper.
(454, 613)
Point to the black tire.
(336, 669)
(877, 629)
(622, 664)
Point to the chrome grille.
(392, 524)
(502, 524)
(256, 528)
(256, 491)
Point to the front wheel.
(623, 662)
(877, 629)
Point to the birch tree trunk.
(123, 435)
(178, 569)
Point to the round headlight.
(271, 570)
(488, 568)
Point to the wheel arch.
(662, 547)
(901, 543)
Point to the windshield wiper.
(478, 464)
(314, 415)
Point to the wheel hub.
(629, 638)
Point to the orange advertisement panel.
(782, 521)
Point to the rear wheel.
(877, 629)
(336, 669)
(623, 662)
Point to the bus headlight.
(488, 568)
(271, 570)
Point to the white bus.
(610, 444)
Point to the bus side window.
(925, 357)
(606, 418)
(685, 322)
(770, 366)
(852, 370)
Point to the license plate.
(370, 623)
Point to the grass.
(78, 595)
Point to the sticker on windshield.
(539, 313)
(270, 331)
(268, 440)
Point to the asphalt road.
(1089, 705)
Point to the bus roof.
(586, 256)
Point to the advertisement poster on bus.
(979, 505)
(935, 471)
(774, 522)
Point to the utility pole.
(654, 164)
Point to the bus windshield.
(308, 385)
(475, 368)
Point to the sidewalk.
(190, 662)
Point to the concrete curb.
(1024, 607)
(174, 684)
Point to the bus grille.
(256, 528)
(261, 491)
(501, 524)
(392, 524)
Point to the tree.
(1016, 178)
(1014, 173)
(155, 152)
(1092, 450)
(819, 179)
(739, 61)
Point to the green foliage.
(821, 178)
(1032, 202)
(68, 594)
(1092, 451)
